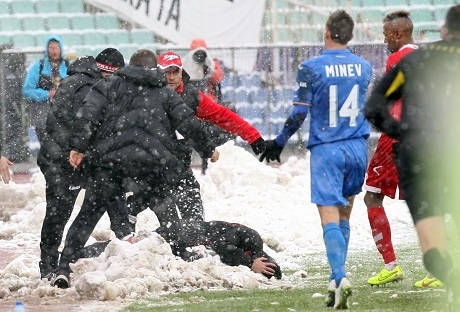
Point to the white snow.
(237, 188)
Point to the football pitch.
(308, 294)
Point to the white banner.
(219, 22)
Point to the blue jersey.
(332, 86)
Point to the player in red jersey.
(382, 177)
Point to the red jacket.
(223, 117)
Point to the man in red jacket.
(188, 198)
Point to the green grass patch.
(308, 294)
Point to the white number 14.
(349, 108)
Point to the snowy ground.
(238, 188)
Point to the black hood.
(142, 76)
(185, 76)
(85, 65)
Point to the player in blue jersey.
(332, 87)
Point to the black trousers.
(62, 188)
(186, 195)
(238, 246)
(105, 192)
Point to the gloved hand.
(258, 146)
(272, 151)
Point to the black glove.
(272, 151)
(258, 146)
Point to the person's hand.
(260, 265)
(215, 156)
(5, 170)
(52, 93)
(258, 146)
(272, 151)
(75, 159)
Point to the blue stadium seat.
(94, 38)
(56, 22)
(24, 40)
(22, 6)
(87, 50)
(71, 6)
(82, 22)
(10, 23)
(4, 7)
(33, 23)
(440, 14)
(5, 39)
(371, 16)
(71, 39)
(142, 36)
(106, 21)
(47, 6)
(118, 37)
(421, 15)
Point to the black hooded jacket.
(83, 73)
(128, 123)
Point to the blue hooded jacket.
(30, 89)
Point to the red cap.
(198, 43)
(169, 59)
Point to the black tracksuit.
(126, 129)
(63, 183)
(187, 194)
(236, 244)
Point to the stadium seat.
(371, 16)
(142, 36)
(444, 2)
(57, 23)
(71, 6)
(33, 23)
(47, 6)
(106, 21)
(127, 50)
(41, 38)
(22, 6)
(24, 40)
(71, 39)
(318, 18)
(312, 35)
(421, 15)
(5, 39)
(440, 14)
(118, 37)
(94, 38)
(4, 7)
(82, 22)
(10, 23)
(356, 3)
(87, 50)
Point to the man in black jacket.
(63, 183)
(236, 244)
(427, 154)
(126, 129)
(187, 196)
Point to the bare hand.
(5, 170)
(260, 265)
(52, 93)
(75, 159)
(215, 156)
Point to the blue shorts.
(337, 171)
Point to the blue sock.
(345, 228)
(335, 250)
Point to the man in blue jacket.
(41, 83)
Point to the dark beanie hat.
(110, 60)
